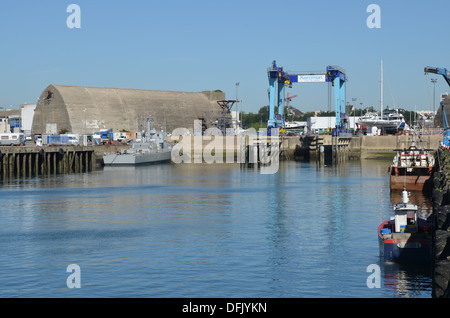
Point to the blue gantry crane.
(278, 79)
(446, 74)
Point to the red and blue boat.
(405, 237)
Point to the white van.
(12, 139)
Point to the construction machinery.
(288, 100)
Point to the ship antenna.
(404, 180)
(405, 196)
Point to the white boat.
(405, 237)
(153, 148)
(294, 125)
(391, 121)
(412, 167)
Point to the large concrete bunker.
(80, 109)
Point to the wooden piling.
(34, 161)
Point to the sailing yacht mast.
(381, 93)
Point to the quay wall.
(34, 160)
(29, 161)
(440, 219)
(362, 147)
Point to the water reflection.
(408, 280)
(424, 202)
(207, 230)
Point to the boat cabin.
(405, 217)
(411, 157)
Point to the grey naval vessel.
(152, 148)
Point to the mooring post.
(17, 163)
(92, 160)
(54, 162)
(72, 163)
(5, 164)
(63, 162)
(80, 158)
(60, 156)
(76, 160)
(29, 158)
(24, 164)
(42, 161)
(67, 162)
(36, 164)
(49, 163)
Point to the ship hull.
(136, 159)
(413, 183)
(405, 251)
(405, 247)
(387, 126)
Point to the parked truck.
(124, 137)
(103, 136)
(60, 140)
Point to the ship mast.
(381, 90)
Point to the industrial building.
(26, 118)
(17, 120)
(85, 110)
(316, 125)
(439, 119)
(10, 121)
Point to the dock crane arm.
(440, 71)
(446, 75)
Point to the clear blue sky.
(196, 45)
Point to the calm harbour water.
(196, 230)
